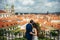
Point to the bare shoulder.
(35, 29)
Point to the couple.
(31, 31)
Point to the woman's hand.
(31, 33)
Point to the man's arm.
(30, 28)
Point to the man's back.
(28, 30)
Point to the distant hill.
(58, 13)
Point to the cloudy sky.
(32, 6)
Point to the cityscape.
(16, 14)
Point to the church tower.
(7, 8)
(12, 9)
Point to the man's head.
(31, 21)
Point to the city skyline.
(32, 6)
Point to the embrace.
(31, 31)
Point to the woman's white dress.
(34, 37)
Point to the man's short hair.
(31, 21)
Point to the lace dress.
(34, 37)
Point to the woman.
(34, 32)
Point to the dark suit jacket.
(28, 30)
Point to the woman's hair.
(36, 26)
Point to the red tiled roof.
(39, 20)
(43, 28)
(2, 11)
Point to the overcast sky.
(32, 6)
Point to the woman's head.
(34, 25)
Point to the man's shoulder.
(28, 24)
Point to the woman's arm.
(35, 32)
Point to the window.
(2, 25)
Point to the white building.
(4, 14)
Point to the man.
(29, 30)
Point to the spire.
(47, 12)
(12, 9)
(6, 8)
